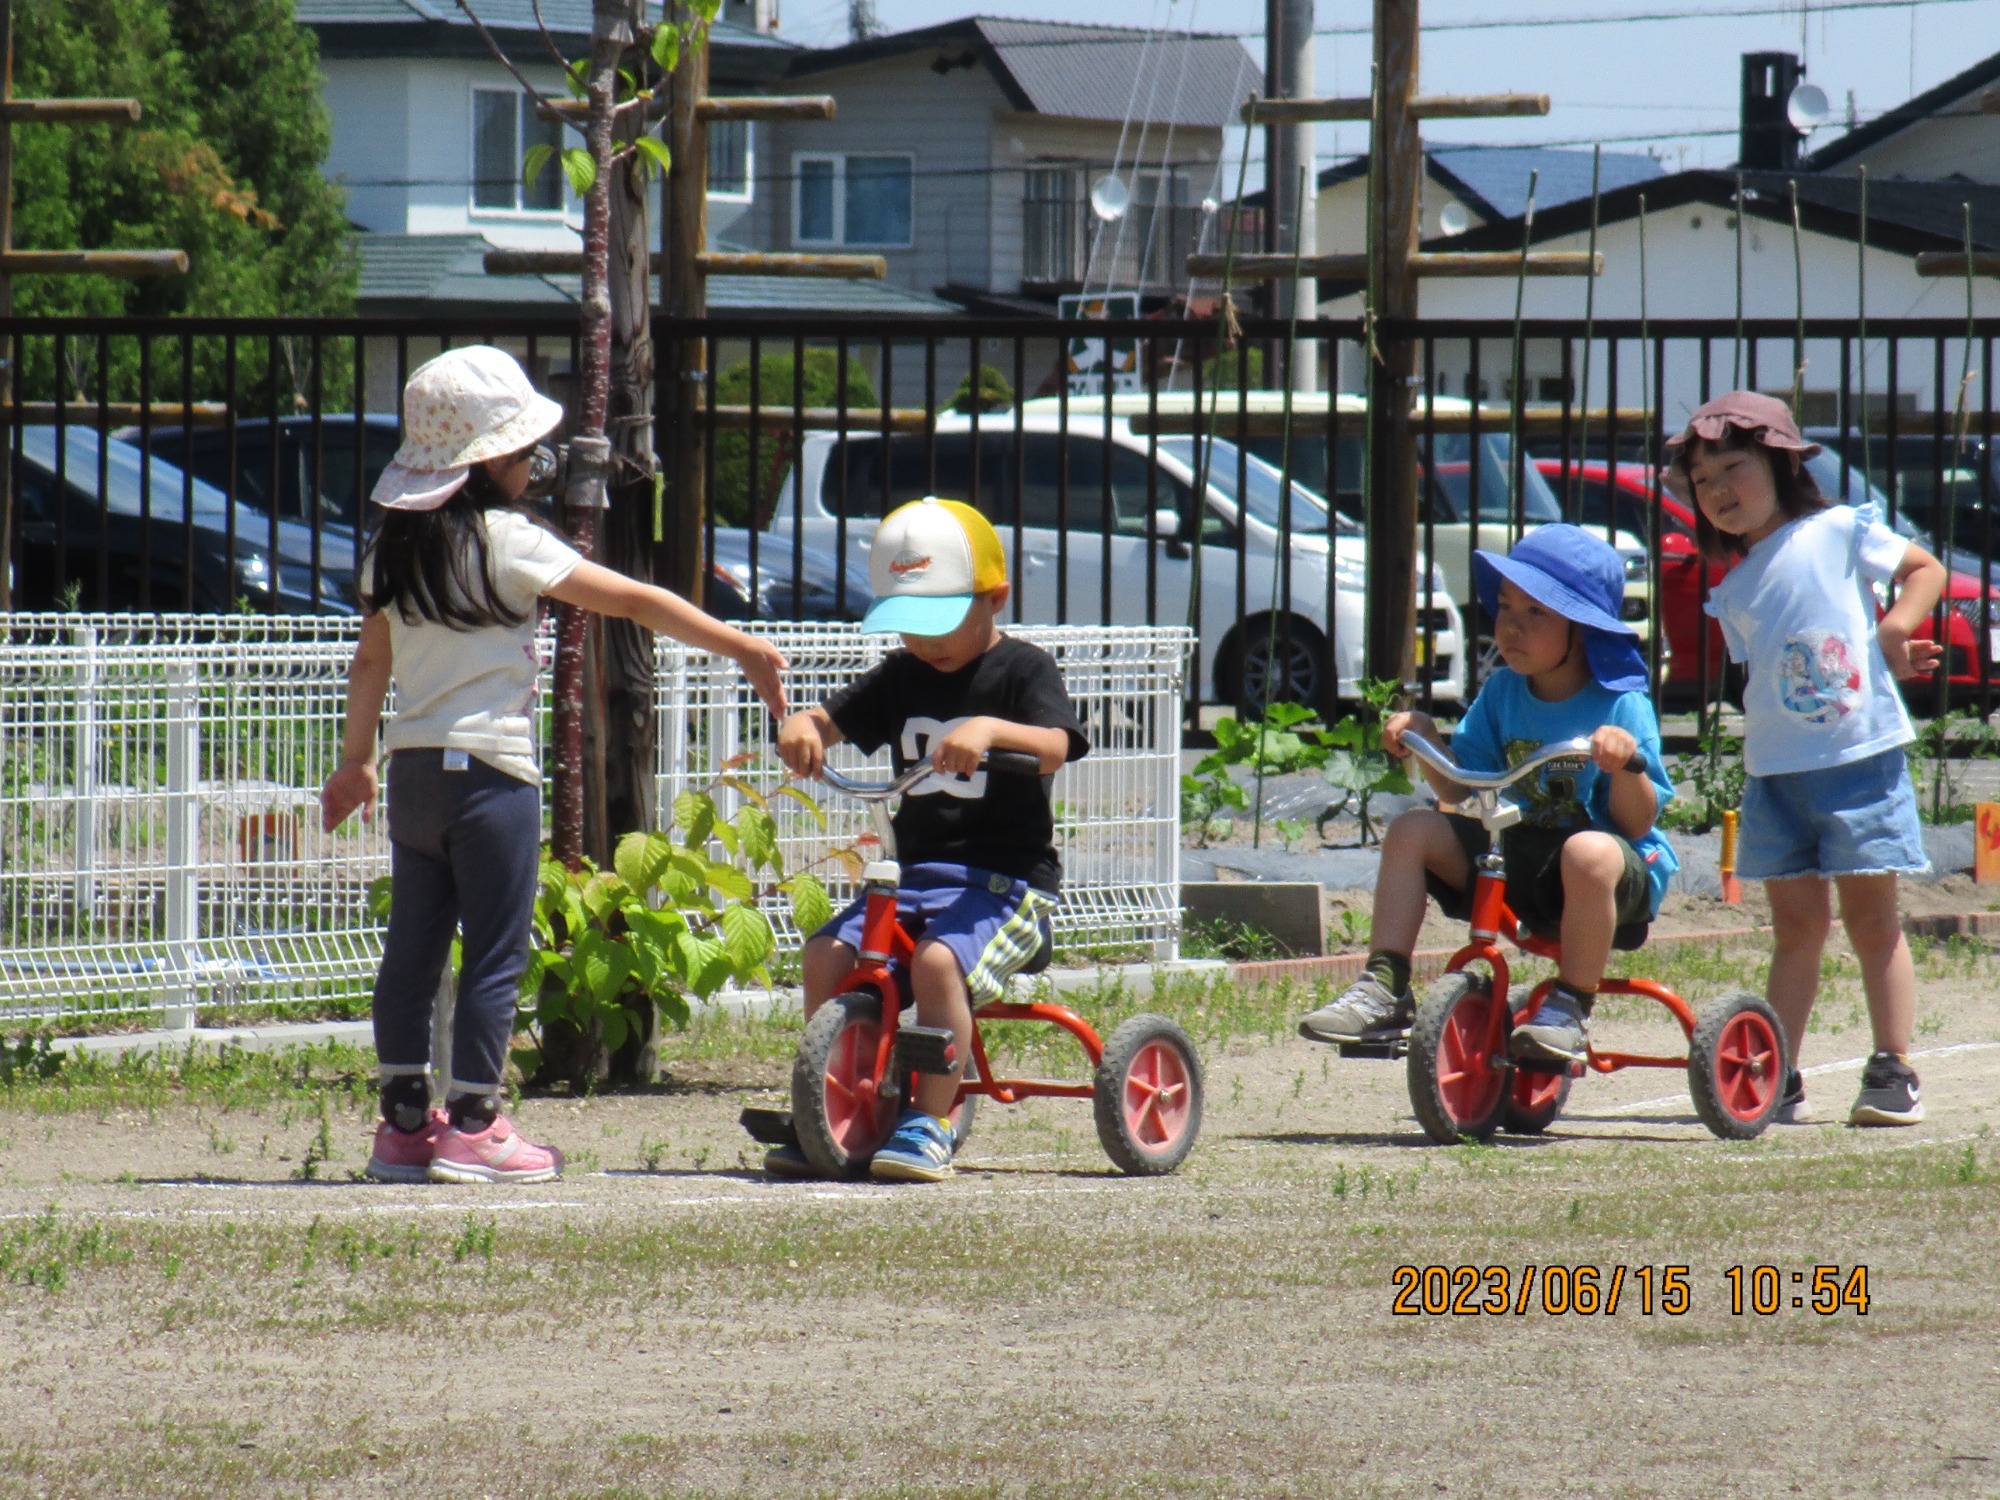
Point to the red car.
(1685, 579)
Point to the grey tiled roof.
(568, 19)
(446, 272)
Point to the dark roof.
(1077, 72)
(415, 273)
(438, 28)
(1925, 105)
(1493, 180)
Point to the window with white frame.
(856, 200)
(504, 129)
(731, 161)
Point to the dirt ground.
(664, 1321)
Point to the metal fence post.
(84, 773)
(177, 1000)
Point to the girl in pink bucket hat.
(450, 588)
(1827, 801)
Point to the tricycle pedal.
(1387, 1049)
(926, 1049)
(773, 1127)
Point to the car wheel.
(1282, 666)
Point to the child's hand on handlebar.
(1397, 725)
(960, 751)
(1612, 748)
(800, 746)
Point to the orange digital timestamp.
(1552, 1290)
(1766, 1291)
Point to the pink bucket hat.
(1764, 419)
(463, 407)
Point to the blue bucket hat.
(1580, 576)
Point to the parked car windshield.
(1263, 485)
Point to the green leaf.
(581, 169)
(748, 792)
(760, 837)
(1356, 770)
(804, 799)
(653, 154)
(576, 78)
(378, 894)
(673, 1007)
(812, 908)
(536, 162)
(642, 858)
(729, 880)
(617, 1027)
(704, 963)
(729, 838)
(667, 47)
(694, 816)
(1288, 715)
(746, 937)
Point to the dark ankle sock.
(406, 1101)
(472, 1112)
(1391, 970)
(1585, 999)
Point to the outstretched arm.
(604, 591)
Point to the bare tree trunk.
(682, 296)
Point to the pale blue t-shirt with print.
(1507, 723)
(1799, 608)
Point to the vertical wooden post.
(1396, 168)
(683, 237)
(8, 374)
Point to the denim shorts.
(994, 925)
(1856, 819)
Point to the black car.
(1927, 478)
(163, 535)
(817, 595)
(302, 453)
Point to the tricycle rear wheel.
(1148, 1096)
(1534, 1101)
(1736, 1066)
(1455, 1090)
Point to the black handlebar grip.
(1012, 763)
(1636, 763)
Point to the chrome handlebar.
(1001, 762)
(1575, 750)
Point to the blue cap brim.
(916, 614)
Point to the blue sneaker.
(919, 1151)
(1557, 1032)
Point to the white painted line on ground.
(1844, 1065)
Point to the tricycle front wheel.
(1455, 1089)
(1148, 1096)
(838, 1109)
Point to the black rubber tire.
(1130, 1154)
(1252, 639)
(1517, 1118)
(964, 1112)
(1706, 1085)
(810, 1114)
(1427, 1041)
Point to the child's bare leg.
(1591, 866)
(1419, 840)
(1868, 909)
(822, 966)
(942, 1000)
(1801, 913)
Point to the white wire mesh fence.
(160, 847)
(1117, 810)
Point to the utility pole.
(861, 22)
(1391, 267)
(1288, 149)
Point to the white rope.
(1118, 156)
(1138, 161)
(1166, 180)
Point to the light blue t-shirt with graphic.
(1507, 723)
(1800, 610)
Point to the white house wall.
(368, 103)
(1341, 215)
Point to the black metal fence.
(1139, 473)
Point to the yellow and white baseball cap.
(931, 557)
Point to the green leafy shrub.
(1707, 784)
(995, 393)
(731, 500)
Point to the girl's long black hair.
(434, 564)
(1797, 491)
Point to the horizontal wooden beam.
(767, 107)
(1952, 263)
(81, 413)
(70, 111)
(1269, 424)
(1424, 263)
(1436, 107)
(819, 418)
(708, 263)
(125, 263)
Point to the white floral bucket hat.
(463, 407)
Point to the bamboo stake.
(1736, 359)
(1589, 323)
(1515, 476)
(1799, 298)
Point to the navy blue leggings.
(465, 850)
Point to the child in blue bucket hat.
(1587, 859)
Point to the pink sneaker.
(499, 1153)
(405, 1155)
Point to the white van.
(1074, 562)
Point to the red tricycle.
(857, 1060)
(1462, 1080)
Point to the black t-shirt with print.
(1001, 823)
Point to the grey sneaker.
(1558, 1032)
(1794, 1110)
(1889, 1093)
(1365, 1012)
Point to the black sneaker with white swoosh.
(1890, 1094)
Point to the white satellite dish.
(1209, 206)
(1453, 219)
(1109, 198)
(1807, 108)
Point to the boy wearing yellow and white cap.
(980, 870)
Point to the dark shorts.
(1534, 878)
(994, 925)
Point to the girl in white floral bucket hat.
(451, 584)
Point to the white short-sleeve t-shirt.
(1800, 609)
(474, 690)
